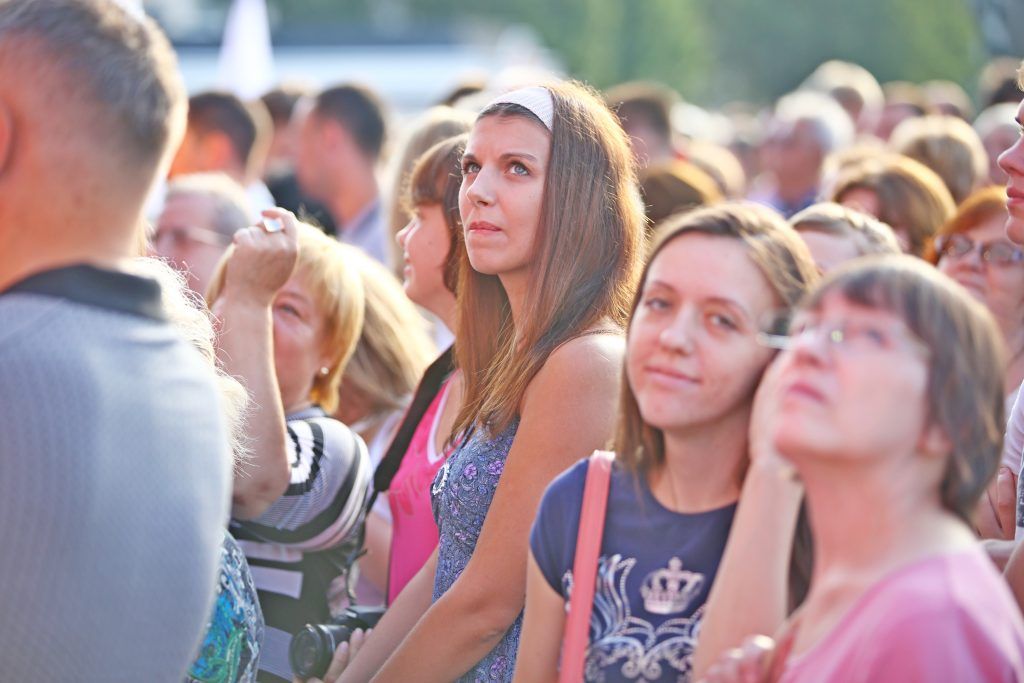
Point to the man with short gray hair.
(806, 128)
(114, 463)
(201, 214)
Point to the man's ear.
(6, 134)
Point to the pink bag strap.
(584, 569)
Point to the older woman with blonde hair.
(290, 311)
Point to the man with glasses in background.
(201, 213)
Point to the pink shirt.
(949, 618)
(413, 531)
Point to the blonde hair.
(394, 347)
(866, 233)
(325, 267)
(187, 312)
(585, 269)
(911, 196)
(947, 145)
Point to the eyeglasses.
(178, 237)
(999, 252)
(859, 338)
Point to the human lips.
(803, 390)
(667, 374)
(483, 227)
(1014, 197)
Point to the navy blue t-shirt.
(654, 574)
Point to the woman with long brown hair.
(553, 228)
(717, 277)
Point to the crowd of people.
(567, 384)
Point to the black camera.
(313, 647)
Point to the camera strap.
(433, 379)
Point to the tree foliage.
(710, 50)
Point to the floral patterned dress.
(460, 496)
(230, 650)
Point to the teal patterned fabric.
(231, 648)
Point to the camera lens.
(313, 647)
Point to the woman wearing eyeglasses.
(973, 250)
(888, 401)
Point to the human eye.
(517, 168)
(1001, 253)
(653, 302)
(289, 309)
(722, 321)
(470, 167)
(869, 336)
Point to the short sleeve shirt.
(655, 571)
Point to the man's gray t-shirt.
(115, 482)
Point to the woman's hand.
(262, 258)
(750, 663)
(763, 419)
(342, 656)
(995, 516)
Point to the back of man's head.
(96, 84)
(246, 126)
(359, 111)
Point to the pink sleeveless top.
(413, 531)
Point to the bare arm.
(543, 622)
(1014, 574)
(750, 591)
(468, 621)
(374, 564)
(401, 616)
(258, 265)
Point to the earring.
(324, 371)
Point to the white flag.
(246, 64)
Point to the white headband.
(536, 99)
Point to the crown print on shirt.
(671, 590)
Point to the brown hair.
(436, 179)
(976, 209)
(785, 261)
(325, 268)
(947, 145)
(675, 186)
(586, 264)
(868, 234)
(965, 365)
(436, 124)
(780, 255)
(911, 197)
(246, 125)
